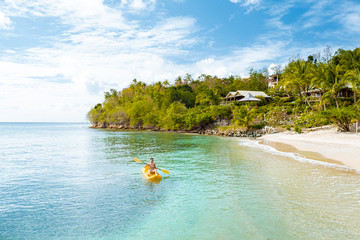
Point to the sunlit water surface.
(67, 181)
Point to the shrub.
(276, 116)
(258, 125)
(175, 116)
(117, 115)
(220, 111)
(343, 116)
(199, 117)
(311, 119)
(94, 115)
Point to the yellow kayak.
(152, 177)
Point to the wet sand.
(324, 145)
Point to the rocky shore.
(212, 131)
(233, 133)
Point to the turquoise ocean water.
(67, 181)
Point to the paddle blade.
(137, 160)
(165, 171)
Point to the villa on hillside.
(273, 80)
(240, 94)
(316, 93)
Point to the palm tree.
(243, 116)
(178, 81)
(205, 96)
(298, 76)
(334, 81)
(187, 78)
(351, 62)
(353, 77)
(166, 83)
(319, 81)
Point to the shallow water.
(66, 181)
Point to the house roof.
(314, 90)
(249, 98)
(275, 75)
(231, 94)
(346, 85)
(254, 93)
(245, 92)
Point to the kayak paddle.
(138, 160)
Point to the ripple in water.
(66, 181)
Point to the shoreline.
(323, 145)
(287, 148)
(209, 131)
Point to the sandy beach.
(325, 145)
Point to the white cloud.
(241, 60)
(271, 68)
(92, 72)
(5, 21)
(352, 21)
(100, 50)
(138, 4)
(246, 2)
(80, 14)
(323, 19)
(349, 16)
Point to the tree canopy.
(191, 103)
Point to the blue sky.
(58, 57)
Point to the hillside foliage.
(196, 104)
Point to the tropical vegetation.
(197, 104)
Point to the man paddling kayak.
(152, 167)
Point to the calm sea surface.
(67, 181)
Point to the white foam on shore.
(296, 156)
